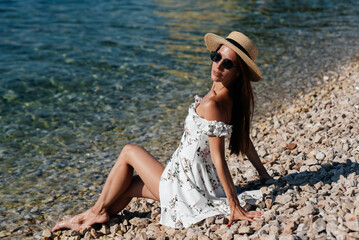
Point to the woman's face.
(221, 74)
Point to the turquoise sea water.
(80, 79)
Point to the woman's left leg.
(120, 187)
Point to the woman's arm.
(218, 158)
(254, 159)
(217, 148)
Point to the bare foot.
(82, 220)
(70, 223)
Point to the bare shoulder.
(212, 110)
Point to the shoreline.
(311, 147)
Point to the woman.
(196, 182)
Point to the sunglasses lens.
(215, 56)
(227, 64)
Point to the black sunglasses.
(216, 57)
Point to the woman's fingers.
(230, 219)
(246, 216)
(254, 214)
(250, 219)
(241, 214)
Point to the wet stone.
(34, 210)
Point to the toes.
(65, 224)
(58, 226)
(254, 215)
(54, 229)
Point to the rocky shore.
(311, 148)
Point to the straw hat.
(239, 43)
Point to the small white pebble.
(320, 156)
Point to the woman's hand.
(217, 153)
(238, 213)
(217, 149)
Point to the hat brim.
(213, 42)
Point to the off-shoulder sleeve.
(213, 128)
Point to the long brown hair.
(243, 106)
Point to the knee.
(129, 148)
(127, 151)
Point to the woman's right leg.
(119, 187)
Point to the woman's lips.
(216, 74)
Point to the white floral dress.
(190, 189)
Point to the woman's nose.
(219, 64)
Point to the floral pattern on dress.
(190, 189)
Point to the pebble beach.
(310, 145)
